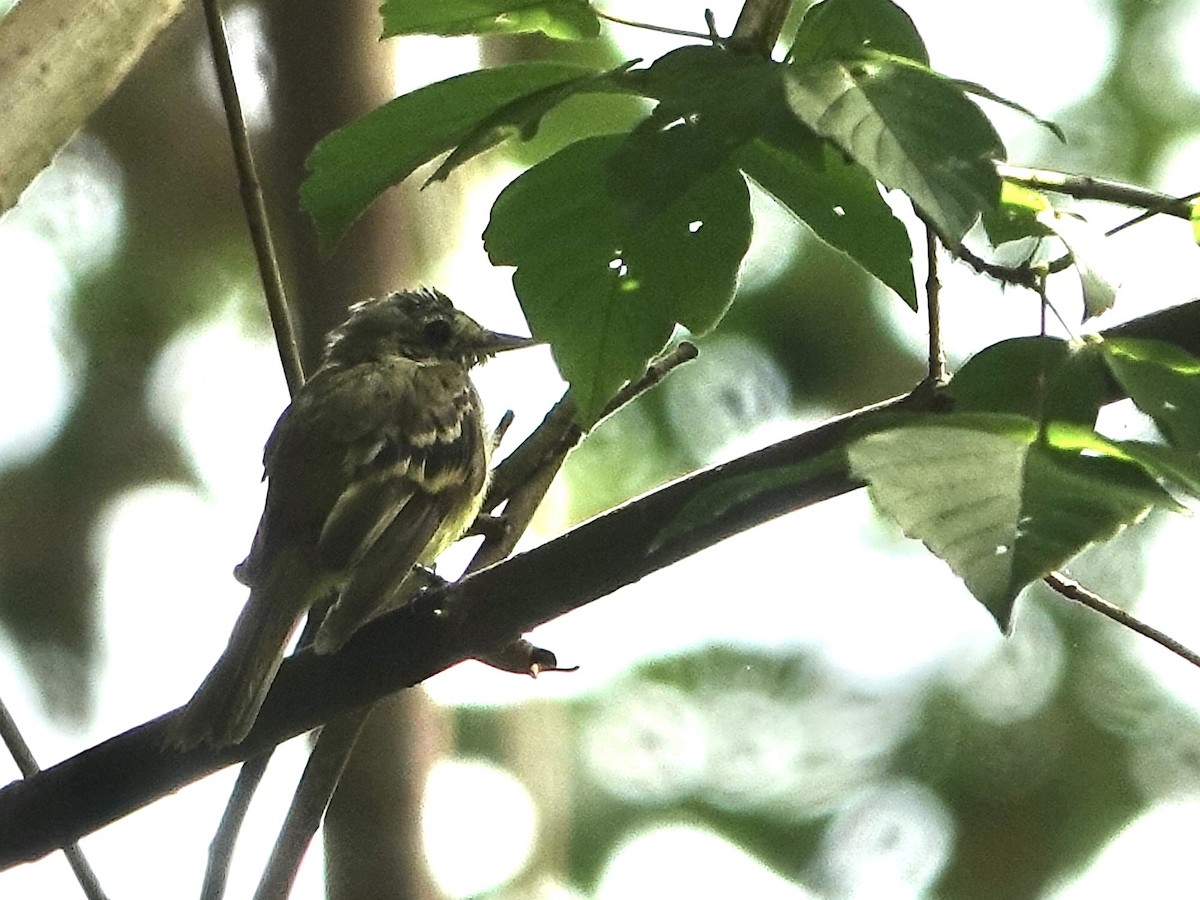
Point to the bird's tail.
(224, 707)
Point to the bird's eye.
(438, 332)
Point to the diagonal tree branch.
(1071, 589)
(1087, 187)
(113, 779)
(404, 648)
(23, 756)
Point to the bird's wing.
(412, 486)
(382, 569)
(379, 452)
(428, 443)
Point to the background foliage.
(1002, 780)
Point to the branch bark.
(1087, 187)
(59, 60)
(758, 25)
(484, 611)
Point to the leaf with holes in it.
(710, 103)
(1000, 505)
(841, 203)
(604, 288)
(1164, 381)
(909, 127)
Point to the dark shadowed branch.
(480, 613)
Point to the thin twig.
(645, 26)
(1067, 259)
(24, 758)
(320, 779)
(220, 850)
(252, 201)
(560, 429)
(658, 369)
(327, 760)
(1085, 187)
(560, 433)
(1081, 187)
(1073, 590)
(1021, 275)
(1040, 395)
(933, 290)
(1151, 213)
(553, 441)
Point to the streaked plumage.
(378, 464)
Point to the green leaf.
(972, 87)
(606, 291)
(1035, 377)
(1180, 467)
(1016, 217)
(1002, 507)
(841, 203)
(522, 117)
(910, 128)
(1017, 196)
(710, 102)
(568, 20)
(662, 159)
(351, 167)
(1195, 217)
(735, 97)
(1086, 245)
(1164, 381)
(844, 29)
(697, 78)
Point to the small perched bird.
(378, 464)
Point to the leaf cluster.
(618, 239)
(1016, 481)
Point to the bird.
(376, 466)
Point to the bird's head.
(421, 325)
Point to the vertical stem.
(257, 223)
(220, 850)
(1043, 305)
(759, 24)
(15, 742)
(252, 201)
(933, 304)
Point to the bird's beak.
(495, 342)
